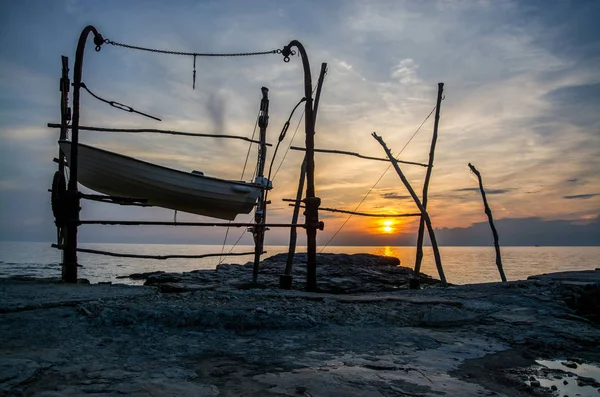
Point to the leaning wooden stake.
(488, 212)
(436, 251)
(419, 257)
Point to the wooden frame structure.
(68, 202)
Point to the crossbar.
(159, 257)
(155, 131)
(158, 223)
(362, 213)
(356, 155)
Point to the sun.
(387, 226)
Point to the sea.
(462, 265)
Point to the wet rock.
(569, 364)
(445, 316)
(15, 371)
(184, 287)
(338, 273)
(586, 381)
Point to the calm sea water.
(462, 265)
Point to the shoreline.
(220, 340)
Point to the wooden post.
(436, 252)
(65, 117)
(488, 212)
(69, 265)
(415, 283)
(286, 279)
(261, 207)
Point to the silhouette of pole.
(415, 283)
(69, 265)
(436, 252)
(285, 280)
(488, 212)
(261, 208)
(312, 202)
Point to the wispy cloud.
(581, 196)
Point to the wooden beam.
(488, 212)
(436, 252)
(155, 131)
(419, 256)
(363, 213)
(331, 151)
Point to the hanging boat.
(114, 174)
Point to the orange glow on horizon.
(387, 226)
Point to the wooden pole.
(415, 283)
(261, 207)
(69, 265)
(65, 114)
(286, 279)
(436, 252)
(488, 212)
(331, 151)
(65, 117)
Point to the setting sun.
(387, 226)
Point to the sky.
(521, 100)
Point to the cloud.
(487, 191)
(581, 196)
(395, 196)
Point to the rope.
(293, 136)
(249, 147)
(279, 140)
(378, 180)
(233, 246)
(241, 178)
(117, 105)
(282, 134)
(288, 148)
(193, 54)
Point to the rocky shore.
(204, 333)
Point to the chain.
(194, 54)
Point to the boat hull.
(117, 175)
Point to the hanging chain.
(286, 51)
(194, 54)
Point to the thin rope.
(234, 245)
(194, 54)
(293, 136)
(291, 141)
(241, 179)
(282, 134)
(249, 147)
(378, 180)
(117, 105)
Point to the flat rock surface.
(109, 340)
(337, 273)
(584, 276)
